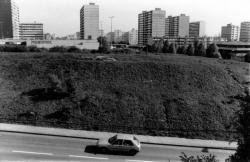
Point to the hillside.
(170, 95)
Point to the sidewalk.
(172, 141)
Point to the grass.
(145, 94)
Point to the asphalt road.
(25, 147)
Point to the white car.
(120, 143)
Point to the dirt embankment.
(157, 95)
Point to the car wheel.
(133, 152)
(104, 150)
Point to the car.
(120, 143)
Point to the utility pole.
(111, 37)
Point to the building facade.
(197, 29)
(9, 19)
(230, 32)
(151, 24)
(89, 22)
(133, 37)
(31, 31)
(177, 26)
(245, 32)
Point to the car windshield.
(112, 139)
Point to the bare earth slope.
(171, 95)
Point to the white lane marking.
(89, 157)
(37, 153)
(138, 161)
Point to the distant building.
(151, 24)
(81, 44)
(118, 36)
(32, 31)
(110, 36)
(9, 19)
(177, 26)
(101, 32)
(48, 36)
(197, 29)
(125, 38)
(89, 22)
(230, 32)
(245, 32)
(133, 37)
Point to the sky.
(62, 17)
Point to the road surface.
(26, 147)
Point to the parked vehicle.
(120, 143)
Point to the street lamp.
(111, 20)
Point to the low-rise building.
(32, 31)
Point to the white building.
(230, 32)
(89, 22)
(177, 26)
(33, 31)
(245, 32)
(133, 37)
(197, 29)
(151, 24)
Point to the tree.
(172, 48)
(190, 50)
(103, 44)
(196, 45)
(165, 47)
(213, 51)
(182, 49)
(243, 128)
(247, 57)
(201, 51)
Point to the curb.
(77, 136)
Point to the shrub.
(247, 57)
(73, 49)
(213, 51)
(202, 158)
(58, 49)
(182, 49)
(14, 48)
(34, 49)
(243, 127)
(201, 51)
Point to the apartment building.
(245, 32)
(31, 31)
(197, 29)
(177, 26)
(230, 32)
(89, 22)
(151, 24)
(9, 19)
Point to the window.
(128, 143)
(118, 142)
(89, 37)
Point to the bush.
(58, 49)
(190, 50)
(213, 51)
(73, 49)
(34, 49)
(247, 57)
(202, 158)
(14, 48)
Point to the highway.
(27, 147)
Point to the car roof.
(125, 136)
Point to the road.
(26, 147)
